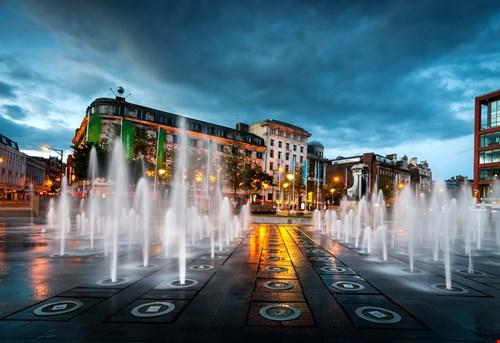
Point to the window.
(294, 158)
(301, 149)
(258, 155)
(280, 144)
(301, 159)
(248, 153)
(103, 109)
(279, 155)
(490, 139)
(287, 156)
(271, 166)
(272, 142)
(220, 148)
(287, 146)
(489, 156)
(489, 174)
(286, 168)
(194, 143)
(494, 114)
(295, 147)
(271, 153)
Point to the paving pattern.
(279, 283)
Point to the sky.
(361, 76)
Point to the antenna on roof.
(120, 90)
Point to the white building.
(12, 169)
(286, 150)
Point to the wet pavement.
(279, 283)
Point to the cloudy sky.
(383, 76)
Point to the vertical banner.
(94, 129)
(304, 172)
(128, 130)
(160, 149)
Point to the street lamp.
(46, 147)
(332, 191)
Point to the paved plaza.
(278, 283)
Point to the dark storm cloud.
(12, 111)
(352, 73)
(37, 137)
(7, 90)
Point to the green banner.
(160, 152)
(94, 129)
(128, 131)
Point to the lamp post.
(285, 186)
(290, 177)
(60, 152)
(280, 170)
(332, 191)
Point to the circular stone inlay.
(201, 267)
(108, 282)
(177, 283)
(334, 269)
(57, 308)
(377, 315)
(280, 312)
(348, 286)
(322, 258)
(441, 287)
(278, 285)
(276, 269)
(152, 309)
(275, 258)
(466, 273)
(274, 251)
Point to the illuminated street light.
(290, 177)
(336, 179)
(161, 172)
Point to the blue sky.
(383, 76)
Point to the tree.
(234, 165)
(387, 188)
(254, 179)
(81, 158)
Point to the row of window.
(489, 156)
(489, 174)
(287, 145)
(285, 134)
(196, 143)
(191, 125)
(489, 139)
(287, 156)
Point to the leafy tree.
(254, 179)
(234, 165)
(81, 158)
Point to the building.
(12, 170)
(316, 173)
(486, 144)
(286, 155)
(455, 185)
(363, 174)
(157, 132)
(35, 173)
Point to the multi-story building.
(286, 153)
(158, 131)
(486, 144)
(362, 174)
(12, 169)
(316, 172)
(35, 173)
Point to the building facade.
(486, 144)
(35, 173)
(286, 154)
(158, 132)
(12, 169)
(316, 176)
(364, 174)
